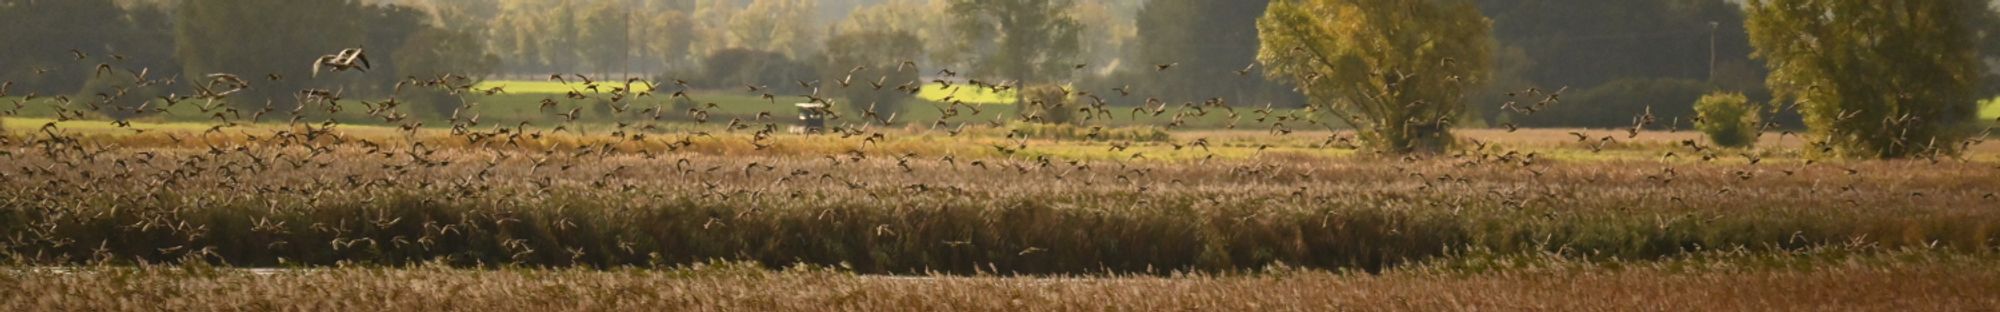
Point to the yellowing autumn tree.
(1883, 79)
(1395, 70)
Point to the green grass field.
(523, 100)
(1990, 110)
(555, 87)
(969, 94)
(530, 93)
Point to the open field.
(1013, 217)
(968, 94)
(559, 87)
(1017, 155)
(1990, 112)
(524, 101)
(1923, 285)
(913, 202)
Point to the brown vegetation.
(1950, 285)
(271, 203)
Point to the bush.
(1048, 104)
(1729, 119)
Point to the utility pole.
(626, 51)
(1712, 28)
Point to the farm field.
(520, 192)
(909, 202)
(541, 103)
(560, 87)
(1943, 283)
(1050, 215)
(968, 94)
(1019, 155)
(1991, 111)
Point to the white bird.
(345, 60)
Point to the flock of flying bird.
(309, 144)
(215, 90)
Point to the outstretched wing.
(321, 62)
(363, 59)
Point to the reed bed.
(263, 205)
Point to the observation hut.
(812, 118)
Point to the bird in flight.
(348, 59)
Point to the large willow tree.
(1884, 79)
(1395, 70)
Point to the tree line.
(1892, 79)
(271, 43)
(1613, 60)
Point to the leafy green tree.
(1606, 47)
(1211, 41)
(1027, 41)
(40, 35)
(783, 26)
(119, 97)
(388, 28)
(1108, 35)
(604, 39)
(858, 61)
(1395, 70)
(514, 35)
(129, 39)
(554, 36)
(437, 52)
(1585, 43)
(927, 19)
(1886, 79)
(670, 36)
(1613, 104)
(770, 71)
(216, 36)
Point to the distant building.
(812, 118)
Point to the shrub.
(1729, 119)
(1048, 104)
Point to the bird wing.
(363, 59)
(317, 64)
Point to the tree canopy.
(1396, 70)
(43, 33)
(288, 35)
(1877, 79)
(1027, 41)
(1211, 41)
